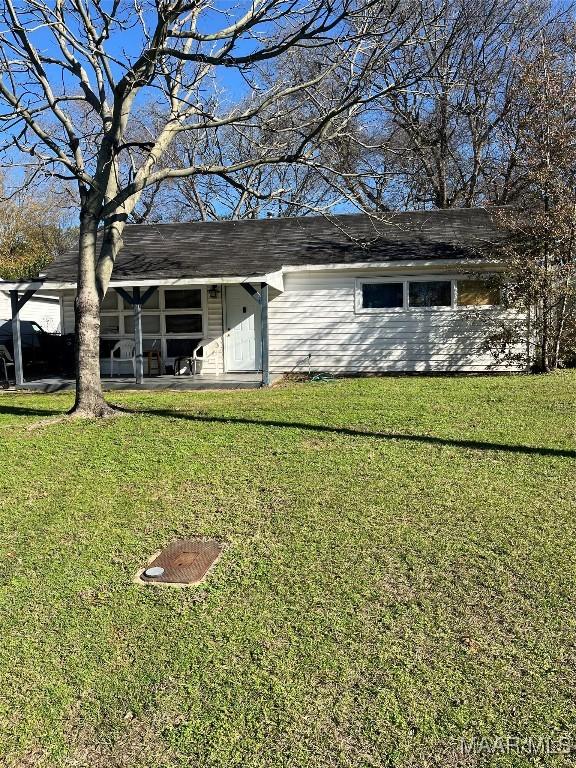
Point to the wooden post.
(137, 299)
(264, 334)
(137, 306)
(17, 338)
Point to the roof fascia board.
(399, 265)
(177, 281)
(130, 283)
(33, 285)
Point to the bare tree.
(541, 250)
(276, 189)
(451, 140)
(74, 72)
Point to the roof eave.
(432, 264)
(272, 278)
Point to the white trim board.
(444, 264)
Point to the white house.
(346, 294)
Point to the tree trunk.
(89, 397)
(544, 341)
(544, 350)
(560, 322)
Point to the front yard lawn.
(400, 575)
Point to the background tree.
(451, 138)
(541, 253)
(277, 189)
(32, 232)
(326, 177)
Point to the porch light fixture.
(213, 291)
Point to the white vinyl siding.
(40, 309)
(68, 320)
(315, 322)
(214, 353)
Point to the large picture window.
(110, 301)
(150, 324)
(379, 295)
(183, 323)
(152, 303)
(109, 325)
(183, 299)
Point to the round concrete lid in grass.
(182, 563)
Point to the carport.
(20, 295)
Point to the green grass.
(400, 574)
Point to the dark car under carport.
(43, 353)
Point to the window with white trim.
(383, 295)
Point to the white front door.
(242, 335)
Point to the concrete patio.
(199, 382)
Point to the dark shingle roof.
(258, 246)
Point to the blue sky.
(127, 43)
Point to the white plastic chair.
(193, 361)
(5, 361)
(127, 352)
(196, 360)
